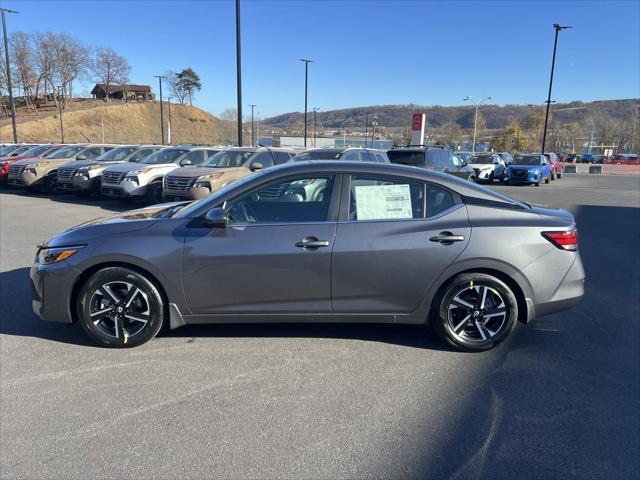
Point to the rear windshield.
(168, 155)
(482, 159)
(317, 155)
(66, 152)
(228, 158)
(407, 157)
(527, 160)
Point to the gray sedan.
(383, 243)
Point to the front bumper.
(33, 178)
(528, 179)
(79, 183)
(126, 188)
(51, 287)
(194, 193)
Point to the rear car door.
(389, 249)
(274, 256)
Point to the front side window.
(196, 157)
(229, 158)
(140, 154)
(299, 200)
(351, 155)
(373, 198)
(282, 157)
(117, 154)
(66, 152)
(263, 158)
(91, 153)
(168, 155)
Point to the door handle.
(447, 238)
(311, 243)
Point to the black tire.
(559, 176)
(449, 319)
(154, 193)
(553, 176)
(125, 323)
(546, 180)
(51, 184)
(537, 184)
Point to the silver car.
(383, 243)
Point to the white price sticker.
(374, 202)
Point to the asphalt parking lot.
(560, 398)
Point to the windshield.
(228, 158)
(8, 149)
(527, 160)
(482, 159)
(21, 150)
(169, 155)
(66, 152)
(329, 154)
(117, 154)
(36, 151)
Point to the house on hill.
(134, 93)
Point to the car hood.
(190, 172)
(115, 224)
(125, 167)
(524, 167)
(482, 166)
(88, 163)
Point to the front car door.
(273, 257)
(387, 253)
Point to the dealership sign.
(417, 128)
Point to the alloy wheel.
(119, 310)
(477, 314)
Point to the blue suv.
(531, 168)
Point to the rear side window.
(263, 158)
(379, 198)
(366, 156)
(408, 157)
(438, 200)
(281, 157)
(443, 158)
(381, 158)
(352, 155)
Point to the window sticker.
(383, 201)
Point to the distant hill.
(495, 116)
(123, 123)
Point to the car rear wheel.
(475, 312)
(119, 307)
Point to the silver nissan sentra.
(328, 241)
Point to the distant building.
(135, 93)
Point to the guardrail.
(598, 169)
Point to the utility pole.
(160, 77)
(253, 138)
(469, 98)
(239, 72)
(9, 87)
(59, 89)
(366, 127)
(315, 112)
(373, 134)
(169, 124)
(557, 28)
(306, 85)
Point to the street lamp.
(469, 98)
(169, 124)
(9, 87)
(59, 89)
(557, 28)
(253, 138)
(239, 72)
(366, 127)
(315, 112)
(306, 85)
(160, 77)
(373, 132)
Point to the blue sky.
(364, 52)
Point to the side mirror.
(256, 166)
(185, 163)
(81, 157)
(216, 218)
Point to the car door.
(273, 257)
(499, 168)
(544, 167)
(391, 242)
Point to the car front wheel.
(119, 307)
(475, 312)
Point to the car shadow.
(72, 199)
(17, 319)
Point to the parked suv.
(43, 174)
(33, 153)
(223, 168)
(355, 154)
(554, 165)
(432, 158)
(143, 180)
(530, 169)
(488, 167)
(83, 177)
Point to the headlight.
(47, 256)
(132, 179)
(139, 172)
(86, 169)
(202, 185)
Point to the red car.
(555, 165)
(623, 159)
(32, 151)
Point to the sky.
(364, 52)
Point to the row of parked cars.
(156, 173)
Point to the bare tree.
(110, 68)
(174, 86)
(22, 63)
(73, 61)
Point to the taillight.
(563, 240)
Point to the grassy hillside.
(123, 123)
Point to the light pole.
(9, 87)
(306, 85)
(253, 138)
(469, 98)
(315, 112)
(239, 72)
(160, 77)
(366, 127)
(373, 132)
(557, 28)
(59, 89)
(169, 124)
